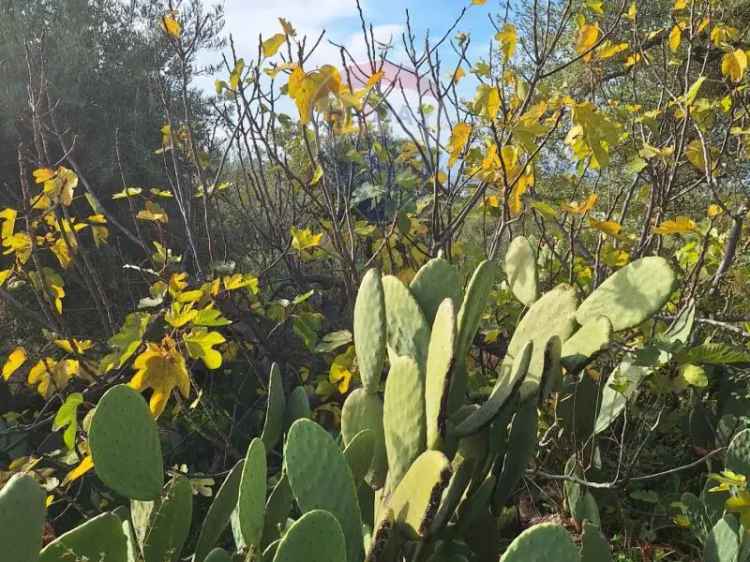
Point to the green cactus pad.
(723, 542)
(614, 399)
(408, 331)
(594, 547)
(475, 505)
(462, 469)
(125, 447)
(631, 295)
(302, 542)
(435, 281)
(439, 367)
(359, 452)
(320, 478)
(581, 503)
(552, 373)
(21, 518)
(273, 426)
(522, 442)
(403, 418)
(551, 315)
(278, 506)
(508, 382)
(738, 453)
(415, 501)
(297, 406)
(100, 539)
(473, 305)
(365, 411)
(589, 340)
(252, 496)
(169, 523)
(218, 555)
(370, 330)
(539, 543)
(520, 270)
(217, 517)
(132, 548)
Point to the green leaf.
(333, 340)
(67, 417)
(714, 354)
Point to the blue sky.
(247, 18)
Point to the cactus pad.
(218, 555)
(540, 543)
(416, 499)
(435, 281)
(473, 305)
(370, 330)
(723, 542)
(273, 426)
(252, 494)
(100, 539)
(403, 418)
(522, 443)
(365, 411)
(297, 406)
(738, 453)
(520, 270)
(358, 454)
(507, 383)
(303, 540)
(320, 478)
(630, 295)
(589, 340)
(169, 523)
(614, 400)
(408, 331)
(439, 366)
(217, 517)
(279, 504)
(124, 440)
(21, 518)
(594, 547)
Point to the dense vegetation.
(438, 304)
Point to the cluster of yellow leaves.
(304, 239)
(459, 138)
(592, 134)
(50, 374)
(161, 367)
(487, 101)
(588, 36)
(678, 225)
(59, 186)
(734, 65)
(506, 168)
(170, 25)
(508, 37)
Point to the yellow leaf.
(675, 37)
(632, 60)
(515, 204)
(180, 314)
(375, 78)
(734, 65)
(340, 373)
(162, 368)
(5, 275)
(714, 210)
(18, 244)
(240, 280)
(62, 249)
(632, 11)
(478, 2)
(580, 208)
(587, 37)
(307, 89)
(42, 175)
(127, 192)
(304, 239)
(8, 218)
(287, 27)
(607, 227)
(49, 374)
(171, 26)
(16, 358)
(74, 345)
(608, 50)
(487, 101)
(153, 212)
(272, 45)
(679, 225)
(679, 5)
(83, 467)
(508, 38)
(460, 73)
(317, 175)
(459, 137)
(61, 186)
(200, 343)
(694, 154)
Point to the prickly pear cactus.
(723, 542)
(363, 411)
(370, 330)
(297, 406)
(125, 447)
(278, 506)
(522, 443)
(100, 539)
(631, 295)
(588, 340)
(594, 547)
(252, 495)
(403, 418)
(475, 300)
(358, 454)
(219, 513)
(542, 543)
(21, 519)
(273, 426)
(169, 523)
(435, 281)
(314, 537)
(738, 453)
(408, 330)
(614, 399)
(440, 358)
(320, 478)
(520, 270)
(218, 555)
(415, 501)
